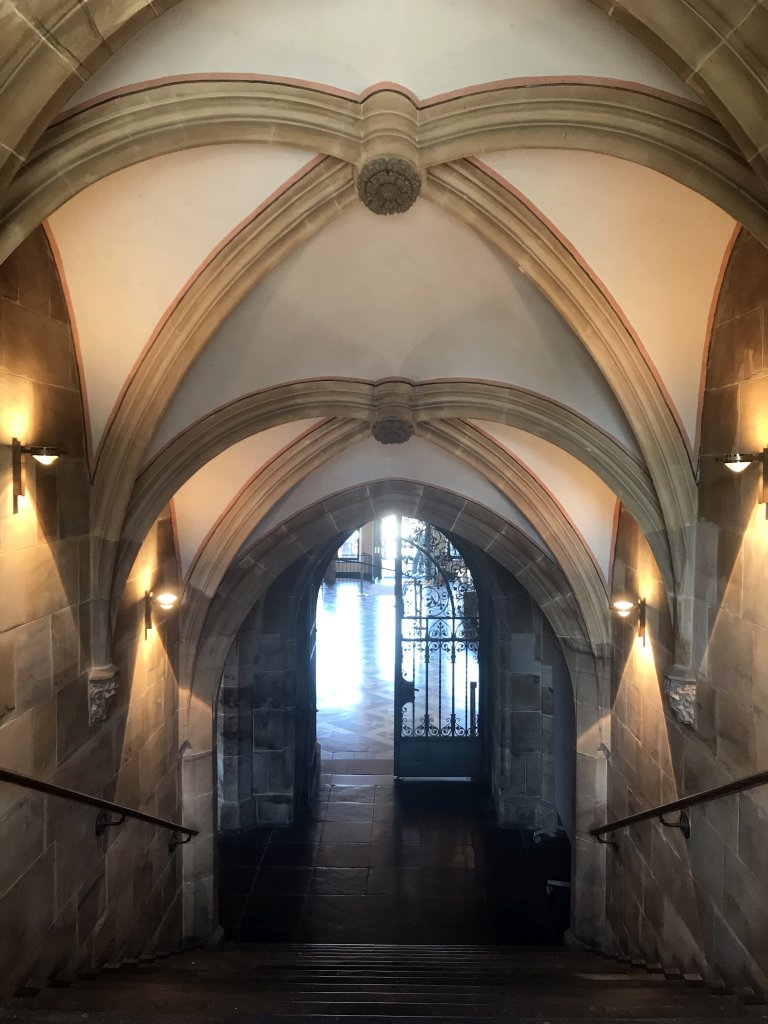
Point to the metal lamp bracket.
(17, 468)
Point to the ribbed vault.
(203, 441)
(507, 458)
(45, 61)
(667, 136)
(258, 565)
(468, 192)
(51, 153)
(711, 44)
(231, 534)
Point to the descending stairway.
(403, 984)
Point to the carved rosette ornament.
(392, 430)
(388, 185)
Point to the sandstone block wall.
(703, 902)
(233, 735)
(256, 714)
(65, 896)
(523, 670)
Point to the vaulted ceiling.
(544, 307)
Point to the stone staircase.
(377, 983)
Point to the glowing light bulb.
(623, 607)
(166, 599)
(736, 463)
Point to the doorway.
(437, 657)
(374, 860)
(398, 654)
(354, 685)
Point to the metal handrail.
(737, 786)
(28, 782)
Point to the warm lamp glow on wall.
(44, 454)
(624, 608)
(739, 461)
(165, 599)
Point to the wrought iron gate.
(436, 657)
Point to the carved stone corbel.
(681, 697)
(103, 682)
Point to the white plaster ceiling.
(588, 502)
(656, 246)
(420, 296)
(204, 498)
(130, 243)
(416, 460)
(428, 46)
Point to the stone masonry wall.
(522, 725)
(143, 875)
(65, 896)
(233, 745)
(267, 758)
(703, 902)
(645, 905)
(256, 728)
(732, 616)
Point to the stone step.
(335, 984)
(260, 989)
(534, 968)
(185, 975)
(25, 1016)
(533, 961)
(400, 985)
(347, 1013)
(584, 1005)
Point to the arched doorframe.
(262, 564)
(269, 769)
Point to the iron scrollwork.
(440, 636)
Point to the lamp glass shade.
(166, 599)
(45, 460)
(736, 464)
(623, 607)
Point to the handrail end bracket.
(683, 823)
(179, 839)
(103, 823)
(608, 839)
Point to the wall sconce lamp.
(738, 462)
(623, 607)
(44, 454)
(164, 599)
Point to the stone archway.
(302, 538)
(268, 758)
(665, 134)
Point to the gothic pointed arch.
(510, 224)
(666, 135)
(709, 43)
(430, 402)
